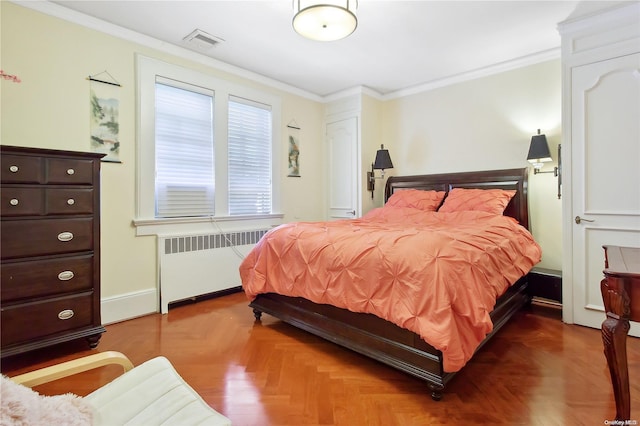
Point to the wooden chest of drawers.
(49, 248)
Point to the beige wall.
(485, 124)
(371, 133)
(481, 124)
(50, 109)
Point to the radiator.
(195, 265)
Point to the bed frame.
(382, 340)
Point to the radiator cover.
(195, 265)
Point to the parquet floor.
(535, 371)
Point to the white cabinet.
(343, 153)
(601, 152)
(342, 143)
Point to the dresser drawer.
(29, 169)
(69, 171)
(18, 201)
(40, 278)
(21, 201)
(69, 201)
(21, 169)
(22, 238)
(21, 323)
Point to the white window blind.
(249, 151)
(184, 181)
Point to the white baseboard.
(128, 306)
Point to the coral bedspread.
(436, 274)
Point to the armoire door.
(342, 139)
(605, 175)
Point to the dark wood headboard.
(518, 207)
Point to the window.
(208, 148)
(184, 151)
(249, 157)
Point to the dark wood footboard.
(377, 338)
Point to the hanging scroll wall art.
(105, 116)
(294, 149)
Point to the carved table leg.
(614, 337)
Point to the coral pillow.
(424, 200)
(485, 200)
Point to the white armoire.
(600, 151)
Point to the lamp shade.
(383, 159)
(326, 20)
(539, 149)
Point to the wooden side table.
(621, 296)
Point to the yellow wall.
(481, 124)
(371, 133)
(50, 109)
(485, 124)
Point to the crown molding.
(358, 90)
(90, 22)
(498, 68)
(619, 13)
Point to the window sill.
(189, 225)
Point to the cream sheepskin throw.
(21, 406)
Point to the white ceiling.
(398, 44)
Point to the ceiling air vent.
(200, 40)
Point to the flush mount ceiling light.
(325, 20)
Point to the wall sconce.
(539, 154)
(383, 161)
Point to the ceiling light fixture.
(325, 20)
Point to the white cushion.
(152, 393)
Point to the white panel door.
(605, 175)
(342, 138)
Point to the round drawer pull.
(65, 236)
(71, 201)
(66, 314)
(14, 169)
(14, 202)
(70, 171)
(65, 275)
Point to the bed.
(368, 328)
